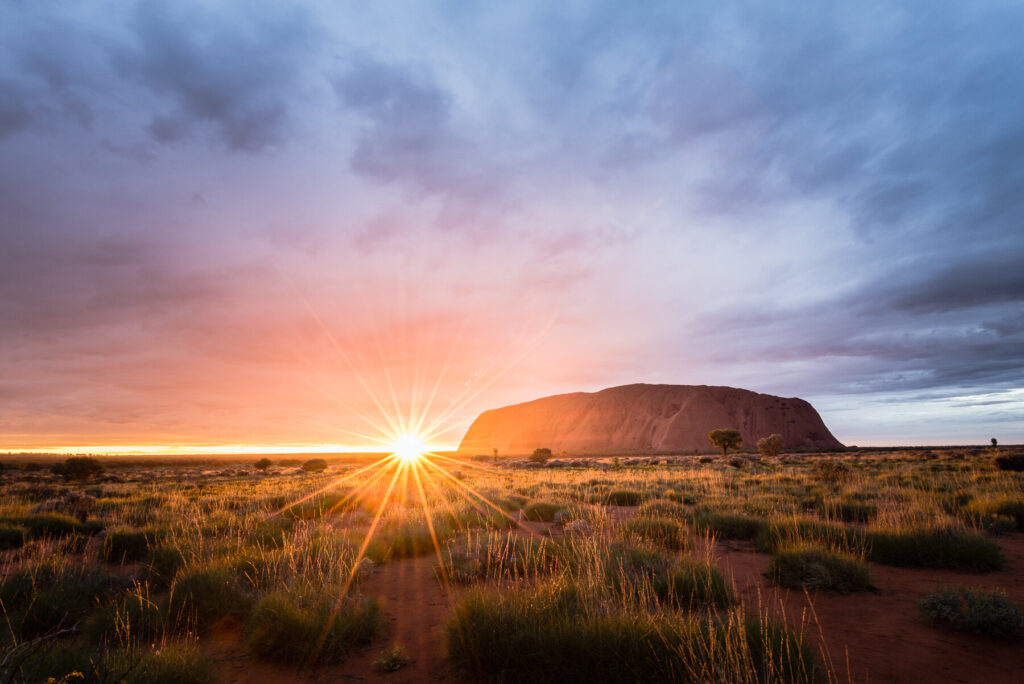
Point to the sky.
(312, 225)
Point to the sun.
(408, 448)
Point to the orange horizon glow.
(219, 450)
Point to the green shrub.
(262, 464)
(978, 611)
(946, 549)
(542, 511)
(202, 595)
(50, 525)
(1010, 462)
(308, 629)
(816, 568)
(726, 525)
(11, 537)
(624, 497)
(126, 546)
(49, 597)
(540, 456)
(793, 532)
(664, 532)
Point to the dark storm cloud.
(233, 70)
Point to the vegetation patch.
(818, 568)
(977, 611)
(947, 549)
(542, 511)
(726, 525)
(307, 629)
(664, 532)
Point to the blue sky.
(252, 223)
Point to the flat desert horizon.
(511, 342)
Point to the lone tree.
(314, 465)
(541, 455)
(78, 468)
(725, 440)
(771, 446)
(262, 464)
(995, 442)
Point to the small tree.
(78, 468)
(495, 451)
(771, 446)
(725, 439)
(541, 455)
(995, 442)
(262, 464)
(315, 465)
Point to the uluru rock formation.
(645, 417)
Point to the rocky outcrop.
(645, 417)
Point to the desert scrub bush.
(946, 549)
(624, 497)
(542, 511)
(78, 468)
(726, 525)
(202, 595)
(313, 628)
(819, 568)
(126, 546)
(978, 611)
(314, 465)
(393, 659)
(832, 473)
(11, 537)
(559, 634)
(664, 532)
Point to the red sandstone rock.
(645, 417)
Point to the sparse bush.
(977, 611)
(262, 464)
(78, 468)
(737, 462)
(819, 568)
(540, 456)
(392, 659)
(317, 628)
(315, 465)
(833, 473)
(680, 497)
(771, 446)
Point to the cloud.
(234, 70)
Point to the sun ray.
(442, 568)
(331, 485)
(475, 493)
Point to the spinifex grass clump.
(819, 568)
(127, 546)
(559, 633)
(726, 525)
(542, 511)
(202, 595)
(941, 548)
(664, 532)
(311, 628)
(978, 611)
(163, 663)
(796, 532)
(11, 537)
(497, 556)
(53, 525)
(625, 497)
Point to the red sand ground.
(868, 637)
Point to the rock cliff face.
(645, 417)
